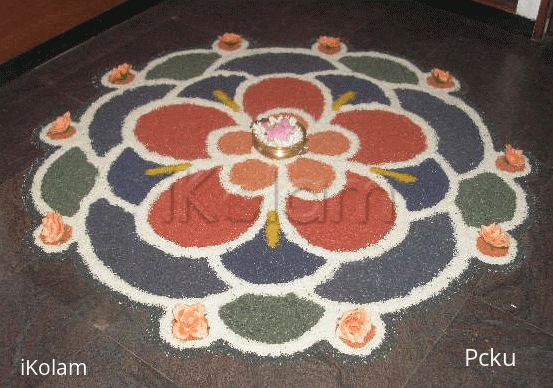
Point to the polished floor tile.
(463, 356)
(54, 309)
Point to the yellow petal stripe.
(225, 99)
(343, 99)
(272, 229)
(406, 178)
(168, 169)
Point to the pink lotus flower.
(494, 236)
(189, 322)
(329, 42)
(442, 76)
(355, 328)
(61, 124)
(120, 73)
(514, 157)
(54, 231)
(280, 130)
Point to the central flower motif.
(279, 137)
(280, 128)
(286, 112)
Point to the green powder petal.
(183, 67)
(381, 68)
(270, 319)
(485, 199)
(67, 181)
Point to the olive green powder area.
(183, 67)
(485, 199)
(67, 181)
(270, 319)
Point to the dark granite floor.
(50, 311)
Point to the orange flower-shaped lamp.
(61, 128)
(121, 74)
(329, 45)
(441, 79)
(230, 41)
(279, 137)
(512, 161)
(190, 322)
(54, 230)
(493, 241)
(355, 328)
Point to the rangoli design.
(274, 198)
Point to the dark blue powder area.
(113, 236)
(256, 262)
(127, 177)
(270, 63)
(105, 128)
(459, 139)
(205, 87)
(367, 91)
(427, 249)
(430, 189)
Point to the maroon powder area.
(197, 212)
(180, 131)
(384, 136)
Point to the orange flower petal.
(54, 230)
(236, 143)
(495, 236)
(329, 45)
(355, 328)
(328, 143)
(514, 157)
(253, 174)
(312, 175)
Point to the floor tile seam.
(84, 348)
(510, 314)
(435, 342)
(142, 360)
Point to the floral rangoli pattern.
(166, 200)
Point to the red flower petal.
(312, 175)
(197, 212)
(384, 136)
(361, 215)
(180, 131)
(287, 92)
(253, 174)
